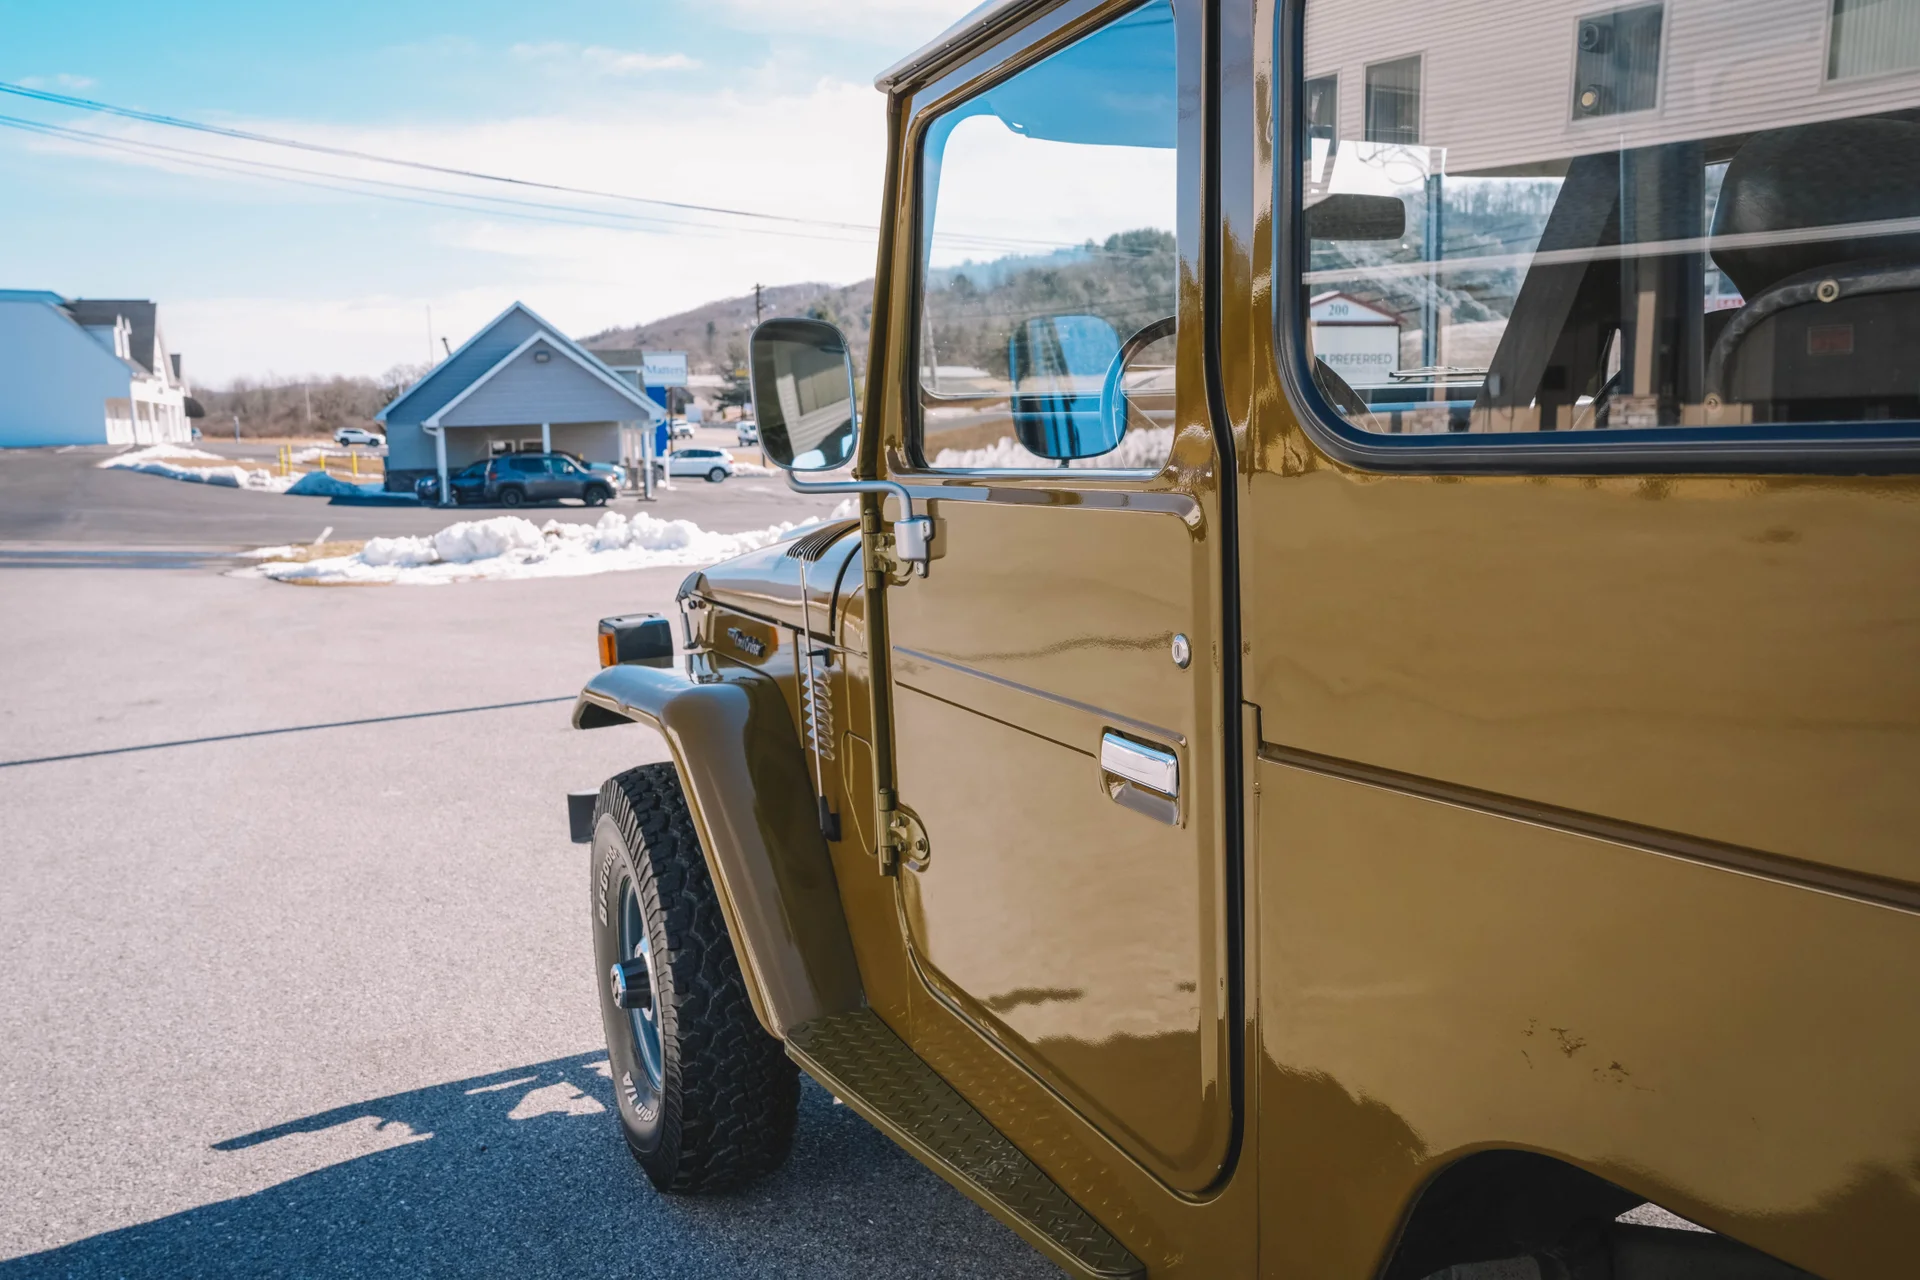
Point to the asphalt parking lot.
(54, 499)
(295, 948)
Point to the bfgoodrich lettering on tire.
(706, 1097)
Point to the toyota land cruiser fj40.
(1367, 722)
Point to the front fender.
(745, 778)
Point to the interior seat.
(1831, 324)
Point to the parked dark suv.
(517, 478)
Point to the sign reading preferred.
(1356, 339)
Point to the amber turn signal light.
(636, 637)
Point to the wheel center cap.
(632, 985)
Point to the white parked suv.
(715, 464)
(358, 435)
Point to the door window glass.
(1567, 218)
(1048, 261)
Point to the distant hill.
(714, 335)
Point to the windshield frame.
(993, 66)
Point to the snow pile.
(1143, 448)
(754, 469)
(513, 547)
(164, 460)
(320, 484)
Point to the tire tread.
(737, 1091)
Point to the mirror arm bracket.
(912, 538)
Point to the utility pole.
(306, 389)
(236, 428)
(756, 305)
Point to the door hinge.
(903, 837)
(884, 566)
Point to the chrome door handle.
(1144, 766)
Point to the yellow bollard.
(356, 465)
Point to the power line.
(324, 179)
(246, 135)
(402, 192)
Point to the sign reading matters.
(664, 368)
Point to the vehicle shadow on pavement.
(523, 1173)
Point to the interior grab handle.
(1144, 766)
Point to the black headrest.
(1817, 175)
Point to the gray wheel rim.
(634, 946)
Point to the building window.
(1869, 37)
(1393, 101)
(1616, 62)
(1323, 107)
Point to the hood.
(767, 582)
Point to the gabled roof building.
(87, 371)
(518, 385)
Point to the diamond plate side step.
(872, 1070)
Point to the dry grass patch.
(311, 551)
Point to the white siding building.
(87, 371)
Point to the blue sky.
(760, 104)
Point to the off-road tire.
(725, 1108)
(595, 495)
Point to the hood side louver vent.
(814, 545)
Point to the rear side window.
(1566, 218)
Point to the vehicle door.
(1057, 691)
(1580, 536)
(569, 479)
(532, 473)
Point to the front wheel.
(716, 475)
(707, 1099)
(594, 496)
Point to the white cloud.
(61, 81)
(913, 21)
(818, 154)
(605, 61)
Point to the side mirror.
(1058, 365)
(803, 401)
(802, 379)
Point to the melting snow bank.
(165, 460)
(1143, 448)
(511, 547)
